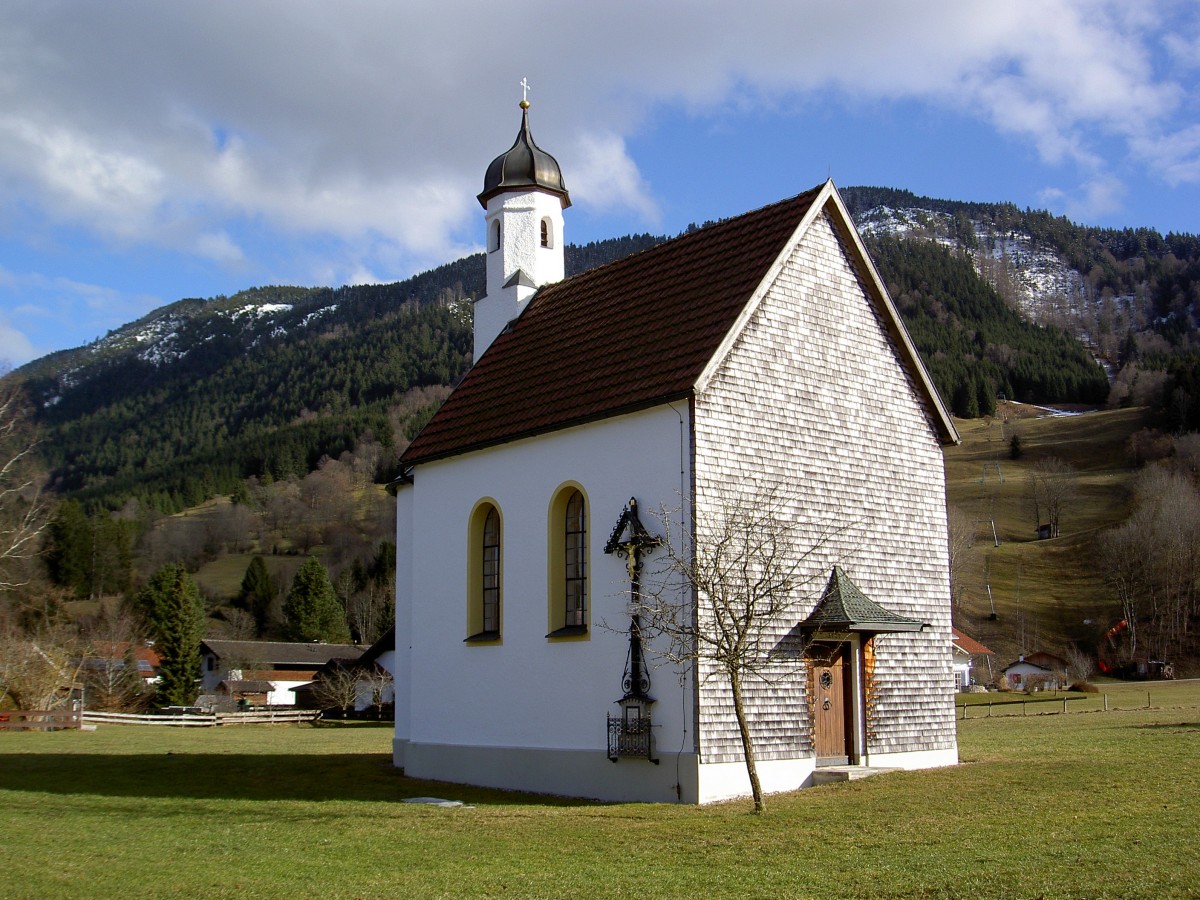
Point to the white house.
(966, 651)
(764, 347)
(1037, 672)
(264, 672)
(377, 660)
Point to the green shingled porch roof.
(843, 607)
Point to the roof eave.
(610, 413)
(483, 197)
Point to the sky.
(155, 151)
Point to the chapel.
(610, 408)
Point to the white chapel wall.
(528, 692)
(402, 659)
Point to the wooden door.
(832, 705)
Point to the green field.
(1087, 804)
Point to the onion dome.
(524, 165)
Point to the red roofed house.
(764, 347)
(966, 651)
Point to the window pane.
(576, 561)
(491, 571)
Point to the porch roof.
(843, 607)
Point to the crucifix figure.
(631, 541)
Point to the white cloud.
(183, 125)
(1092, 200)
(79, 179)
(1175, 156)
(605, 178)
(219, 247)
(15, 347)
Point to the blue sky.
(152, 151)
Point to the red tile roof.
(117, 650)
(618, 338)
(969, 644)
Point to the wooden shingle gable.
(828, 202)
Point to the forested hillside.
(189, 401)
(193, 399)
(975, 346)
(1129, 262)
(1130, 296)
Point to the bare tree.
(1051, 489)
(379, 682)
(337, 688)
(174, 539)
(1152, 562)
(23, 513)
(962, 540)
(237, 625)
(1080, 665)
(1121, 552)
(38, 670)
(369, 610)
(718, 603)
(112, 680)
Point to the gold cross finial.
(524, 93)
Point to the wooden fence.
(39, 719)
(202, 720)
(1049, 705)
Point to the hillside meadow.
(1046, 593)
(1095, 804)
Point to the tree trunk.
(735, 682)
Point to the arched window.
(490, 588)
(568, 612)
(485, 582)
(494, 235)
(547, 234)
(575, 532)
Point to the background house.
(375, 671)
(108, 654)
(1038, 672)
(264, 672)
(968, 653)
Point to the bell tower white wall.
(519, 249)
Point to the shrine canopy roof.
(843, 607)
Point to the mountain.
(190, 400)
(1130, 296)
(1096, 283)
(193, 398)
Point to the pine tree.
(257, 592)
(312, 610)
(174, 612)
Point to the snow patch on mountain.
(259, 311)
(1033, 277)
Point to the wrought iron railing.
(630, 739)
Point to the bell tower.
(524, 196)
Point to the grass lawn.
(1090, 804)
